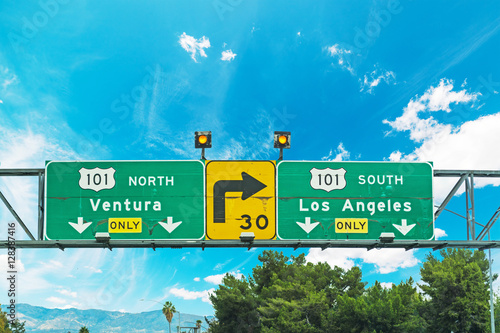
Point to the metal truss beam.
(465, 177)
(22, 172)
(295, 244)
(41, 180)
(18, 219)
(460, 173)
(450, 195)
(488, 225)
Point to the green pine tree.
(458, 291)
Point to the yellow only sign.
(241, 198)
(125, 225)
(351, 226)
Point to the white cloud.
(67, 292)
(228, 55)
(342, 56)
(439, 233)
(341, 154)
(434, 99)
(191, 295)
(193, 45)
(385, 260)
(386, 285)
(217, 279)
(439, 98)
(197, 279)
(396, 156)
(26, 149)
(374, 78)
(220, 265)
(445, 144)
(93, 269)
(7, 78)
(56, 300)
(185, 256)
(52, 264)
(7, 82)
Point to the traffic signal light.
(282, 140)
(203, 139)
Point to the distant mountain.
(43, 320)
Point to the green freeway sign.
(127, 199)
(354, 200)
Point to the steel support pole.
(41, 189)
(473, 207)
(467, 210)
(492, 308)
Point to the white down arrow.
(308, 226)
(170, 225)
(404, 228)
(80, 226)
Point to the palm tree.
(84, 329)
(198, 325)
(169, 310)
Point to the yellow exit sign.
(240, 198)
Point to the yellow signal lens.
(282, 139)
(202, 139)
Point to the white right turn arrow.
(404, 228)
(308, 226)
(80, 226)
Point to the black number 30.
(248, 220)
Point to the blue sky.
(352, 80)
